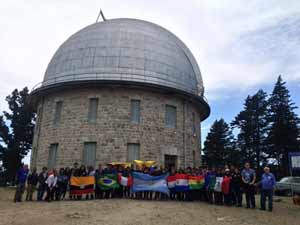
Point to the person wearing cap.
(267, 185)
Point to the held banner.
(182, 182)
(146, 182)
(196, 182)
(108, 182)
(82, 185)
(218, 184)
(125, 181)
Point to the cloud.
(248, 44)
(238, 44)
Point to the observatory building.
(119, 90)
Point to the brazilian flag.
(108, 182)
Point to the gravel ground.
(138, 212)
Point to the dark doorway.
(170, 161)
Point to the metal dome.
(127, 50)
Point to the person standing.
(267, 185)
(42, 186)
(98, 175)
(218, 195)
(226, 187)
(62, 182)
(248, 178)
(210, 182)
(90, 172)
(236, 185)
(32, 181)
(21, 182)
(51, 185)
(75, 171)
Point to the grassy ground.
(138, 212)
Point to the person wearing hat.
(267, 185)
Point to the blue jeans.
(263, 197)
(41, 191)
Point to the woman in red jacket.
(226, 187)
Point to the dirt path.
(138, 212)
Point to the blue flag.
(146, 182)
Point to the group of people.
(53, 185)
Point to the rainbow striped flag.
(196, 182)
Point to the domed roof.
(126, 50)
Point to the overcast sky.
(240, 46)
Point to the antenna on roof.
(102, 15)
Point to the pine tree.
(283, 135)
(16, 131)
(252, 125)
(219, 146)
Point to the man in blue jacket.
(21, 181)
(267, 184)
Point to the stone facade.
(113, 129)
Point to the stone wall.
(113, 129)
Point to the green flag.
(108, 182)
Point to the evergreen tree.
(252, 125)
(219, 145)
(16, 131)
(283, 135)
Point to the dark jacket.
(236, 180)
(42, 178)
(32, 179)
(22, 176)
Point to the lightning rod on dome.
(102, 15)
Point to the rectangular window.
(194, 123)
(38, 118)
(135, 111)
(133, 152)
(170, 118)
(52, 156)
(93, 108)
(89, 153)
(57, 113)
(194, 158)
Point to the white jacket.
(51, 181)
